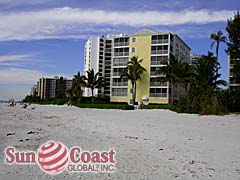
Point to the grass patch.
(236, 113)
(53, 101)
(160, 106)
(103, 106)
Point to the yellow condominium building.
(154, 48)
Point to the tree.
(61, 88)
(92, 81)
(233, 29)
(217, 39)
(184, 75)
(205, 86)
(205, 73)
(236, 70)
(169, 71)
(134, 73)
(78, 83)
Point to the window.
(159, 60)
(133, 50)
(119, 91)
(158, 92)
(134, 39)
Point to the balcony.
(117, 54)
(108, 50)
(159, 52)
(157, 83)
(160, 41)
(120, 84)
(157, 62)
(162, 95)
(155, 73)
(119, 44)
(120, 63)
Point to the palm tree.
(206, 75)
(92, 81)
(205, 86)
(184, 75)
(61, 88)
(134, 72)
(217, 39)
(77, 85)
(169, 71)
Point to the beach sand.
(150, 144)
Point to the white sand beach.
(150, 144)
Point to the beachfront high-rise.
(49, 87)
(98, 56)
(233, 81)
(154, 48)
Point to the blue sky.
(46, 37)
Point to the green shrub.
(104, 106)
(160, 106)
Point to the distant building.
(195, 57)
(109, 55)
(49, 87)
(34, 90)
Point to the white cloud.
(19, 76)
(15, 57)
(70, 23)
(23, 76)
(16, 60)
(16, 82)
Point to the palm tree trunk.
(185, 89)
(133, 94)
(172, 87)
(217, 49)
(92, 94)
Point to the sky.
(41, 38)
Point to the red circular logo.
(52, 157)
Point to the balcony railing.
(117, 73)
(159, 52)
(156, 83)
(117, 44)
(123, 93)
(155, 73)
(234, 82)
(160, 41)
(108, 50)
(163, 95)
(120, 84)
(120, 63)
(157, 62)
(121, 53)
